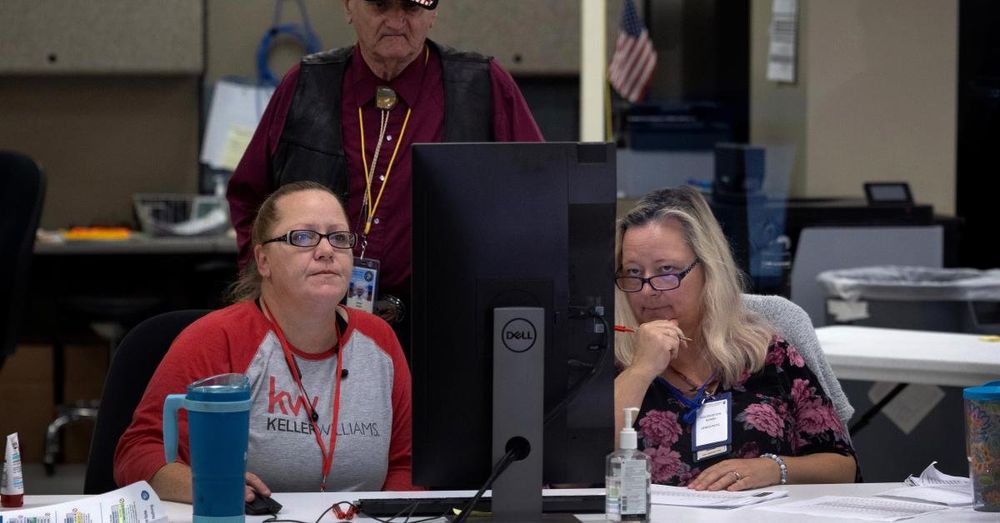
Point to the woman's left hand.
(738, 474)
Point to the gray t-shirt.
(283, 451)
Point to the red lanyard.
(293, 368)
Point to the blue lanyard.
(692, 405)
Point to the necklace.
(690, 383)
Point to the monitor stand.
(518, 413)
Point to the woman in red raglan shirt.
(330, 385)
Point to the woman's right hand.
(657, 343)
(254, 486)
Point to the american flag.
(634, 60)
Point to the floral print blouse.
(781, 409)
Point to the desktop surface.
(309, 506)
(909, 356)
(139, 244)
(552, 504)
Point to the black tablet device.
(888, 193)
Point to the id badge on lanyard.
(362, 291)
(712, 432)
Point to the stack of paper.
(869, 509)
(934, 486)
(932, 491)
(683, 496)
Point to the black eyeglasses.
(660, 282)
(307, 238)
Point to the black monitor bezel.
(566, 161)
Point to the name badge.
(712, 431)
(363, 287)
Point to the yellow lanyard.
(368, 207)
(369, 174)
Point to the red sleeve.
(512, 119)
(251, 181)
(199, 352)
(400, 474)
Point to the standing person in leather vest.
(346, 118)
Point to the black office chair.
(137, 357)
(22, 191)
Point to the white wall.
(875, 98)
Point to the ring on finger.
(737, 475)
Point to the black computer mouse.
(262, 505)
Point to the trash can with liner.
(922, 298)
(898, 428)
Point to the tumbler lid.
(224, 387)
(986, 391)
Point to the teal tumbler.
(218, 410)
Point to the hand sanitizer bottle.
(627, 477)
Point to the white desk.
(307, 507)
(140, 244)
(909, 356)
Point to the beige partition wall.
(104, 95)
(106, 36)
(875, 97)
(526, 36)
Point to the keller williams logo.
(285, 402)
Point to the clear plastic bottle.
(627, 477)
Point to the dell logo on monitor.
(519, 335)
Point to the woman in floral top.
(698, 360)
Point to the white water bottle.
(627, 477)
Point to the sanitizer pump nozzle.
(628, 439)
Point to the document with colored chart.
(136, 503)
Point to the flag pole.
(593, 69)
(608, 114)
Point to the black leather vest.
(311, 145)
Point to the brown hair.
(247, 286)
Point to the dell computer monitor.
(500, 227)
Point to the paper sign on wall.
(783, 33)
(232, 117)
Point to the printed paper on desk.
(135, 503)
(934, 486)
(685, 497)
(233, 115)
(869, 509)
(940, 495)
(932, 477)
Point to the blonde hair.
(247, 286)
(735, 339)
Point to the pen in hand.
(622, 328)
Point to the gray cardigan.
(793, 324)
